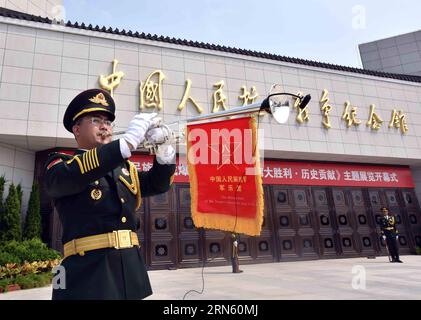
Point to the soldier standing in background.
(390, 234)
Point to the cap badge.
(99, 98)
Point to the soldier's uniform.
(388, 229)
(96, 193)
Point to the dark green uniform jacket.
(73, 183)
(388, 226)
(388, 229)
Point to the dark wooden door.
(161, 231)
(344, 201)
(365, 234)
(190, 239)
(397, 208)
(375, 202)
(325, 226)
(261, 248)
(411, 211)
(293, 223)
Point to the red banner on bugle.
(225, 182)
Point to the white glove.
(384, 237)
(165, 154)
(157, 135)
(138, 126)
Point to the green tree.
(12, 226)
(20, 195)
(33, 216)
(2, 217)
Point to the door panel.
(325, 227)
(364, 226)
(411, 207)
(393, 200)
(189, 241)
(162, 231)
(344, 219)
(286, 221)
(261, 248)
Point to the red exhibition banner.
(336, 174)
(311, 173)
(308, 173)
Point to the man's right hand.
(384, 237)
(138, 126)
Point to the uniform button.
(96, 182)
(124, 219)
(122, 200)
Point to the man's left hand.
(157, 135)
(165, 154)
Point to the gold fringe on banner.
(218, 221)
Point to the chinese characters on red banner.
(305, 173)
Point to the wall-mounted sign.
(306, 173)
(151, 96)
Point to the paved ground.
(319, 279)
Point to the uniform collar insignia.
(100, 99)
(125, 171)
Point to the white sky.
(321, 30)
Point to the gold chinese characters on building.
(111, 81)
(151, 96)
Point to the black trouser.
(392, 246)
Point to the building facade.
(362, 125)
(399, 54)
